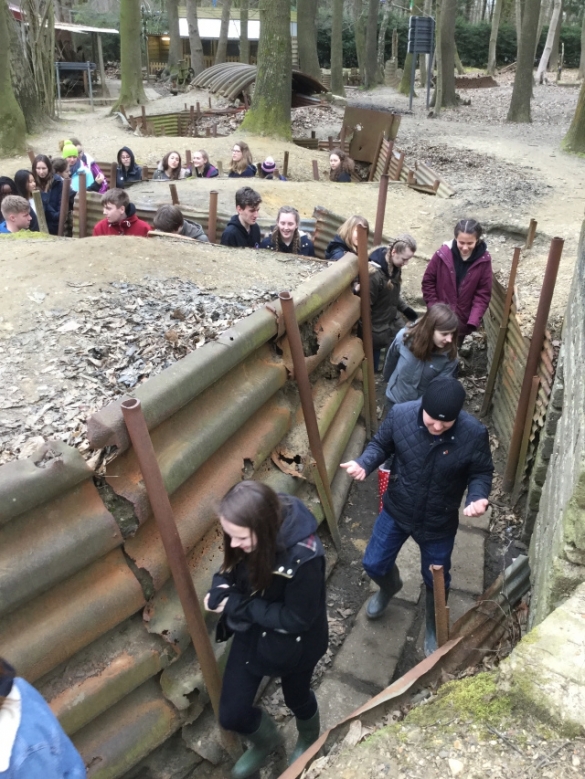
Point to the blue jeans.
(387, 540)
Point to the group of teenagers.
(46, 175)
(269, 594)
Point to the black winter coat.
(306, 249)
(343, 178)
(430, 473)
(385, 299)
(247, 173)
(130, 175)
(235, 234)
(337, 248)
(284, 627)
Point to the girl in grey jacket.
(420, 353)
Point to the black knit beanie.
(443, 399)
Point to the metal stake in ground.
(163, 514)
(364, 276)
(534, 350)
(301, 377)
(382, 195)
(212, 222)
(82, 194)
(441, 610)
(64, 210)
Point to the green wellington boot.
(389, 585)
(308, 734)
(264, 740)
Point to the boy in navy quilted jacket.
(439, 451)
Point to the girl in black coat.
(127, 171)
(286, 237)
(341, 166)
(270, 592)
(51, 189)
(242, 164)
(346, 239)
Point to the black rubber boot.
(264, 741)
(308, 733)
(389, 585)
(430, 644)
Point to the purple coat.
(471, 300)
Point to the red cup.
(383, 479)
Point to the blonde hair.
(346, 230)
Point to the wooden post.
(315, 170)
(220, 167)
(82, 204)
(64, 210)
(285, 165)
(174, 194)
(531, 234)
(212, 223)
(198, 110)
(145, 173)
(40, 211)
(113, 175)
(210, 102)
(188, 159)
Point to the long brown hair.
(346, 230)
(254, 505)
(240, 167)
(45, 184)
(296, 239)
(419, 337)
(175, 173)
(347, 164)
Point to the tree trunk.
(405, 81)
(582, 58)
(519, 110)
(270, 110)
(244, 40)
(553, 63)
(359, 28)
(575, 138)
(175, 45)
(337, 86)
(518, 19)
(197, 61)
(491, 68)
(382, 39)
(550, 37)
(221, 53)
(371, 62)
(307, 37)
(458, 63)
(12, 124)
(131, 88)
(446, 73)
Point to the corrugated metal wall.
(87, 610)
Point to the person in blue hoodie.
(270, 592)
(33, 745)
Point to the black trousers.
(236, 707)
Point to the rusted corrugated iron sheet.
(187, 439)
(163, 395)
(104, 672)
(52, 542)
(130, 730)
(368, 125)
(195, 502)
(60, 622)
(348, 355)
(53, 470)
(512, 367)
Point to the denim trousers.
(387, 540)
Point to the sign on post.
(421, 40)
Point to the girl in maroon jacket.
(460, 274)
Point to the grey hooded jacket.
(407, 376)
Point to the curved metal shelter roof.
(231, 78)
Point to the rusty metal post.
(441, 610)
(64, 210)
(367, 338)
(525, 438)
(210, 103)
(381, 211)
(192, 116)
(534, 350)
(113, 175)
(212, 223)
(220, 167)
(313, 134)
(301, 376)
(285, 165)
(531, 234)
(145, 173)
(174, 194)
(495, 366)
(330, 142)
(165, 521)
(207, 132)
(198, 110)
(315, 170)
(389, 156)
(82, 204)
(188, 159)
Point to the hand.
(354, 470)
(99, 179)
(477, 508)
(221, 606)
